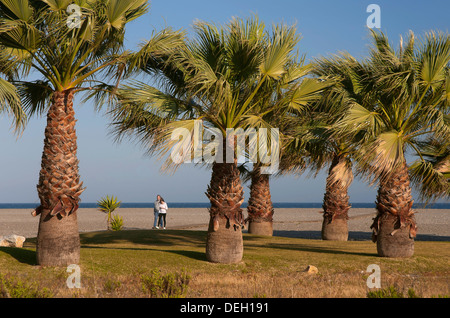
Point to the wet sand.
(290, 222)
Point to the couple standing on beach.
(160, 211)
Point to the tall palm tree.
(327, 148)
(218, 79)
(314, 145)
(67, 55)
(409, 88)
(290, 95)
(260, 209)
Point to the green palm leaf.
(435, 56)
(279, 52)
(10, 103)
(19, 8)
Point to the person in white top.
(162, 213)
(156, 212)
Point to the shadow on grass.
(317, 235)
(146, 237)
(320, 249)
(197, 239)
(149, 239)
(20, 254)
(353, 236)
(200, 256)
(314, 246)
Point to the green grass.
(117, 264)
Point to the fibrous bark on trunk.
(336, 200)
(394, 227)
(260, 208)
(59, 186)
(224, 242)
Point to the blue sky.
(327, 27)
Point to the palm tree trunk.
(336, 200)
(394, 227)
(260, 208)
(59, 188)
(224, 242)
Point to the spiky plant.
(108, 205)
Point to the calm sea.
(206, 205)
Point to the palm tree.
(326, 147)
(260, 207)
(215, 79)
(313, 144)
(409, 90)
(290, 96)
(67, 57)
(314, 147)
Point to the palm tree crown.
(407, 99)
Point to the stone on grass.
(12, 240)
(311, 269)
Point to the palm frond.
(431, 182)
(431, 173)
(282, 43)
(35, 96)
(11, 104)
(381, 157)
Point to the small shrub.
(116, 223)
(108, 205)
(391, 292)
(111, 285)
(11, 287)
(412, 293)
(171, 285)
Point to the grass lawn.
(172, 263)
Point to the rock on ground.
(12, 240)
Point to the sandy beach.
(291, 222)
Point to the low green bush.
(171, 285)
(116, 223)
(391, 292)
(11, 287)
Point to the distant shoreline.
(301, 205)
(433, 224)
